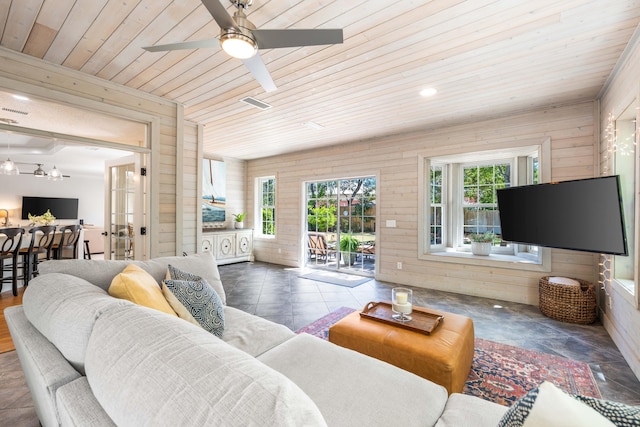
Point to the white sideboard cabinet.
(229, 246)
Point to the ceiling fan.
(240, 39)
(53, 175)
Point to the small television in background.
(61, 208)
(582, 215)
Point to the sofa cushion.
(136, 285)
(547, 405)
(200, 300)
(252, 334)
(146, 368)
(101, 272)
(64, 308)
(349, 387)
(469, 411)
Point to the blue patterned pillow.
(177, 274)
(618, 413)
(198, 298)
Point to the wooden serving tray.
(422, 320)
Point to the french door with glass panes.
(125, 210)
(341, 225)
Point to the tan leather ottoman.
(443, 357)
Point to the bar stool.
(87, 251)
(9, 249)
(69, 237)
(41, 240)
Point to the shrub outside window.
(267, 206)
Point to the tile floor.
(277, 293)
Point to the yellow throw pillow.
(177, 306)
(136, 285)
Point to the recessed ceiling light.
(20, 97)
(312, 125)
(430, 91)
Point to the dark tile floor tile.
(318, 309)
(308, 297)
(273, 309)
(271, 297)
(234, 299)
(278, 293)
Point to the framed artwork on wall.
(214, 196)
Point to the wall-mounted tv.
(583, 215)
(61, 208)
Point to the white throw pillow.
(549, 406)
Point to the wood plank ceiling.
(485, 57)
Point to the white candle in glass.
(401, 301)
(401, 297)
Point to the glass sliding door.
(341, 224)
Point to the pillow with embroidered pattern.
(194, 300)
(618, 413)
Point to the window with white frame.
(436, 208)
(479, 207)
(266, 206)
(625, 159)
(462, 199)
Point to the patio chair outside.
(318, 247)
(368, 248)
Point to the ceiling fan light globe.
(54, 174)
(238, 45)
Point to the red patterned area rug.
(502, 373)
(320, 328)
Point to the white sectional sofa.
(93, 360)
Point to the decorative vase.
(348, 258)
(238, 224)
(481, 248)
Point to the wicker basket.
(568, 303)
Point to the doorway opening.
(341, 225)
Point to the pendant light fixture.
(8, 167)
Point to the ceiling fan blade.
(220, 14)
(270, 39)
(197, 44)
(260, 73)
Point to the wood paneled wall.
(236, 184)
(620, 313)
(44, 80)
(189, 209)
(394, 160)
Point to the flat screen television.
(61, 208)
(582, 215)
